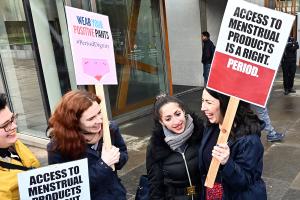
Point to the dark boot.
(292, 91)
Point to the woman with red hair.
(76, 132)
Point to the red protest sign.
(249, 49)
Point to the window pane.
(138, 51)
(19, 70)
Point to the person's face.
(204, 38)
(173, 117)
(91, 124)
(8, 128)
(211, 108)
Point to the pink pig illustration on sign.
(96, 68)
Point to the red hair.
(65, 123)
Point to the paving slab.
(296, 183)
(131, 180)
(281, 162)
(276, 188)
(292, 195)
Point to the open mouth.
(209, 116)
(96, 128)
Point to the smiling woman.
(91, 124)
(14, 155)
(172, 154)
(76, 126)
(241, 158)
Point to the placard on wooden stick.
(250, 69)
(106, 132)
(222, 139)
(249, 56)
(93, 55)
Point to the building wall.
(183, 20)
(214, 10)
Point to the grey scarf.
(177, 140)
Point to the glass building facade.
(36, 60)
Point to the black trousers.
(288, 70)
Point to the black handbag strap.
(13, 166)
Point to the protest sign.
(92, 47)
(93, 55)
(250, 46)
(68, 181)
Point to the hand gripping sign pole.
(106, 132)
(231, 57)
(222, 139)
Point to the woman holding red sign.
(239, 176)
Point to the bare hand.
(221, 152)
(110, 156)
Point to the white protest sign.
(93, 55)
(249, 49)
(68, 181)
(92, 47)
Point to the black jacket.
(290, 53)
(208, 51)
(104, 183)
(166, 169)
(241, 175)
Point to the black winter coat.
(166, 169)
(104, 183)
(208, 51)
(241, 175)
(290, 53)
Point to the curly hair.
(245, 122)
(65, 123)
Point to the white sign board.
(68, 181)
(92, 47)
(249, 50)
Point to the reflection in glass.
(19, 68)
(136, 33)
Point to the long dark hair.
(245, 122)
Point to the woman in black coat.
(239, 176)
(76, 133)
(172, 155)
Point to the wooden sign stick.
(222, 139)
(106, 132)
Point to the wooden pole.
(106, 132)
(222, 139)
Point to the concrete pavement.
(281, 165)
